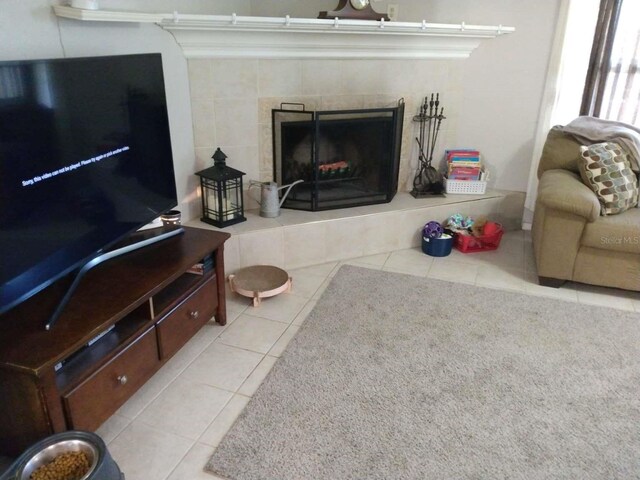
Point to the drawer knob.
(122, 379)
(195, 314)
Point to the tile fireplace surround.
(298, 239)
(232, 99)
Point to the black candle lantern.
(221, 187)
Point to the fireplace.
(346, 158)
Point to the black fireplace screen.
(345, 158)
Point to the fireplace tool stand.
(428, 181)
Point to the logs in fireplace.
(346, 158)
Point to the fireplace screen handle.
(292, 103)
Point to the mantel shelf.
(234, 36)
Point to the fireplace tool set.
(428, 181)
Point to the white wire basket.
(468, 187)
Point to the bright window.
(621, 100)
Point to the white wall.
(496, 110)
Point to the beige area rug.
(399, 377)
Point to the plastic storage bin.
(437, 247)
(468, 187)
(484, 243)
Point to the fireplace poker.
(435, 134)
(430, 117)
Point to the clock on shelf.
(354, 10)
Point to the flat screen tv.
(85, 159)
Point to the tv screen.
(85, 159)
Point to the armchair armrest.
(563, 190)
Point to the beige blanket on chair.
(594, 130)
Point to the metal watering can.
(269, 202)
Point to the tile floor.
(170, 427)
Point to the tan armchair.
(571, 240)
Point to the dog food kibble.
(67, 466)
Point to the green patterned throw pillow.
(605, 168)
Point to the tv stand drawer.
(175, 329)
(94, 400)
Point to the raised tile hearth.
(298, 239)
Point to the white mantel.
(232, 36)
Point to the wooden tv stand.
(149, 305)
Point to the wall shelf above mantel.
(233, 36)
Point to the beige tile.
(265, 107)
(501, 278)
(566, 292)
(504, 258)
(386, 100)
(369, 77)
(410, 226)
(511, 208)
(235, 303)
(204, 124)
(322, 77)
(341, 213)
(266, 175)
(234, 78)
(379, 232)
(453, 271)
(254, 380)
(147, 393)
(143, 452)
(254, 221)
(410, 261)
(606, 297)
(302, 316)
(200, 78)
(231, 317)
(236, 122)
(185, 408)
(341, 102)
(195, 346)
(231, 255)
(353, 261)
(290, 217)
(252, 333)
(279, 77)
(326, 283)
(191, 467)
(281, 308)
(343, 238)
(512, 241)
(414, 270)
(203, 160)
(280, 346)
(497, 258)
(112, 427)
(266, 146)
(262, 248)
(222, 366)
(305, 244)
(223, 422)
(530, 260)
(306, 285)
(321, 270)
(377, 260)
